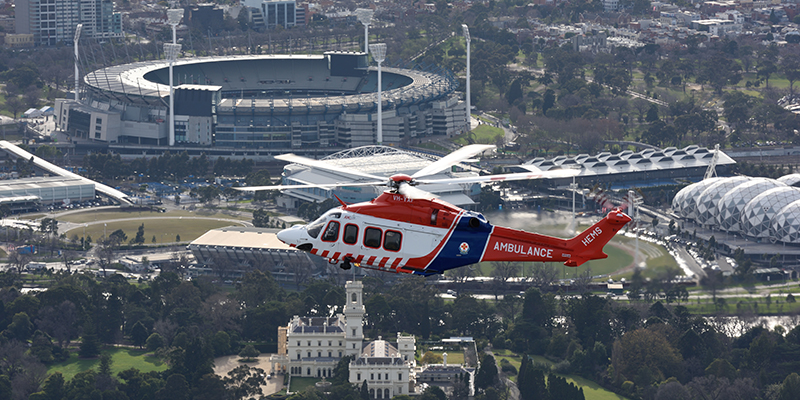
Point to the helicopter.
(408, 230)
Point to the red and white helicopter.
(406, 229)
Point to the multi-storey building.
(54, 21)
(274, 13)
(315, 344)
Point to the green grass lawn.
(165, 230)
(301, 384)
(453, 357)
(122, 359)
(591, 390)
(483, 134)
(90, 216)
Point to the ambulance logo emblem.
(464, 248)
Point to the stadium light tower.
(174, 16)
(469, 110)
(378, 51)
(364, 16)
(75, 42)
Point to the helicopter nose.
(290, 236)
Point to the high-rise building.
(54, 21)
(273, 13)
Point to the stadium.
(761, 209)
(260, 105)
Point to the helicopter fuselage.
(429, 236)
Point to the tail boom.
(506, 244)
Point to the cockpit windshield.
(313, 229)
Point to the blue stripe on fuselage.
(451, 256)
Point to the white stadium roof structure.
(759, 208)
(627, 169)
(376, 160)
(58, 171)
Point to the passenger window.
(391, 241)
(434, 215)
(372, 237)
(332, 232)
(350, 234)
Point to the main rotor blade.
(322, 186)
(292, 158)
(413, 193)
(519, 176)
(453, 158)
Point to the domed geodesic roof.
(786, 224)
(791, 180)
(759, 212)
(731, 206)
(685, 201)
(707, 202)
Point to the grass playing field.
(121, 358)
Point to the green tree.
(139, 334)
(90, 345)
(243, 382)
(790, 389)
(249, 353)
(139, 239)
(154, 342)
(221, 342)
(487, 373)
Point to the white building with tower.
(312, 346)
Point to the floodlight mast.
(364, 16)
(174, 16)
(378, 51)
(465, 28)
(75, 43)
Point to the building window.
(329, 343)
(309, 354)
(319, 353)
(340, 343)
(319, 343)
(372, 377)
(400, 376)
(340, 354)
(386, 393)
(399, 390)
(298, 355)
(330, 353)
(354, 345)
(298, 343)
(309, 343)
(358, 377)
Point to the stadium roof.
(376, 160)
(628, 161)
(244, 237)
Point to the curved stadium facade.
(759, 208)
(269, 104)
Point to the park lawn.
(591, 390)
(300, 384)
(484, 134)
(165, 230)
(93, 216)
(453, 357)
(122, 359)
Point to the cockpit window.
(332, 233)
(315, 227)
(336, 215)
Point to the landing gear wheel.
(345, 265)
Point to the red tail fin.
(588, 245)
